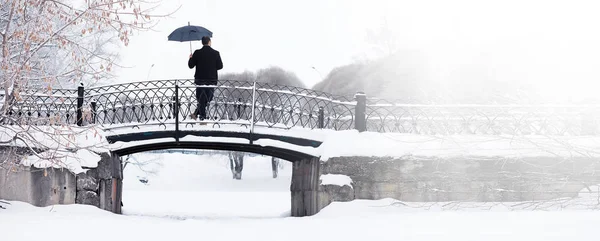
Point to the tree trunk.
(236, 162)
(275, 166)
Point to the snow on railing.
(285, 106)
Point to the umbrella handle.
(191, 47)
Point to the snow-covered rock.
(74, 161)
(88, 198)
(86, 183)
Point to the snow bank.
(201, 186)
(198, 209)
(58, 141)
(336, 179)
(352, 143)
(74, 161)
(358, 220)
(55, 137)
(178, 172)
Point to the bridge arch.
(281, 153)
(305, 170)
(136, 142)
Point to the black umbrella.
(189, 33)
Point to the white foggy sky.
(550, 44)
(251, 35)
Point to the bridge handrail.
(281, 106)
(151, 101)
(221, 83)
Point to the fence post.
(253, 108)
(360, 121)
(172, 105)
(176, 113)
(321, 117)
(239, 109)
(93, 121)
(80, 93)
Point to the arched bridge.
(159, 110)
(238, 104)
(268, 119)
(154, 115)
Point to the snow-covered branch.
(49, 43)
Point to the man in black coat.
(207, 61)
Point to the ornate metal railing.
(39, 107)
(560, 120)
(274, 106)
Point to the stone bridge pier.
(305, 187)
(103, 186)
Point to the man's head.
(206, 41)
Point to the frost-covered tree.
(50, 43)
(409, 75)
(278, 76)
(242, 76)
(64, 40)
(343, 80)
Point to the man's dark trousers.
(204, 95)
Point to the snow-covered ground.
(194, 198)
(203, 187)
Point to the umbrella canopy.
(189, 33)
